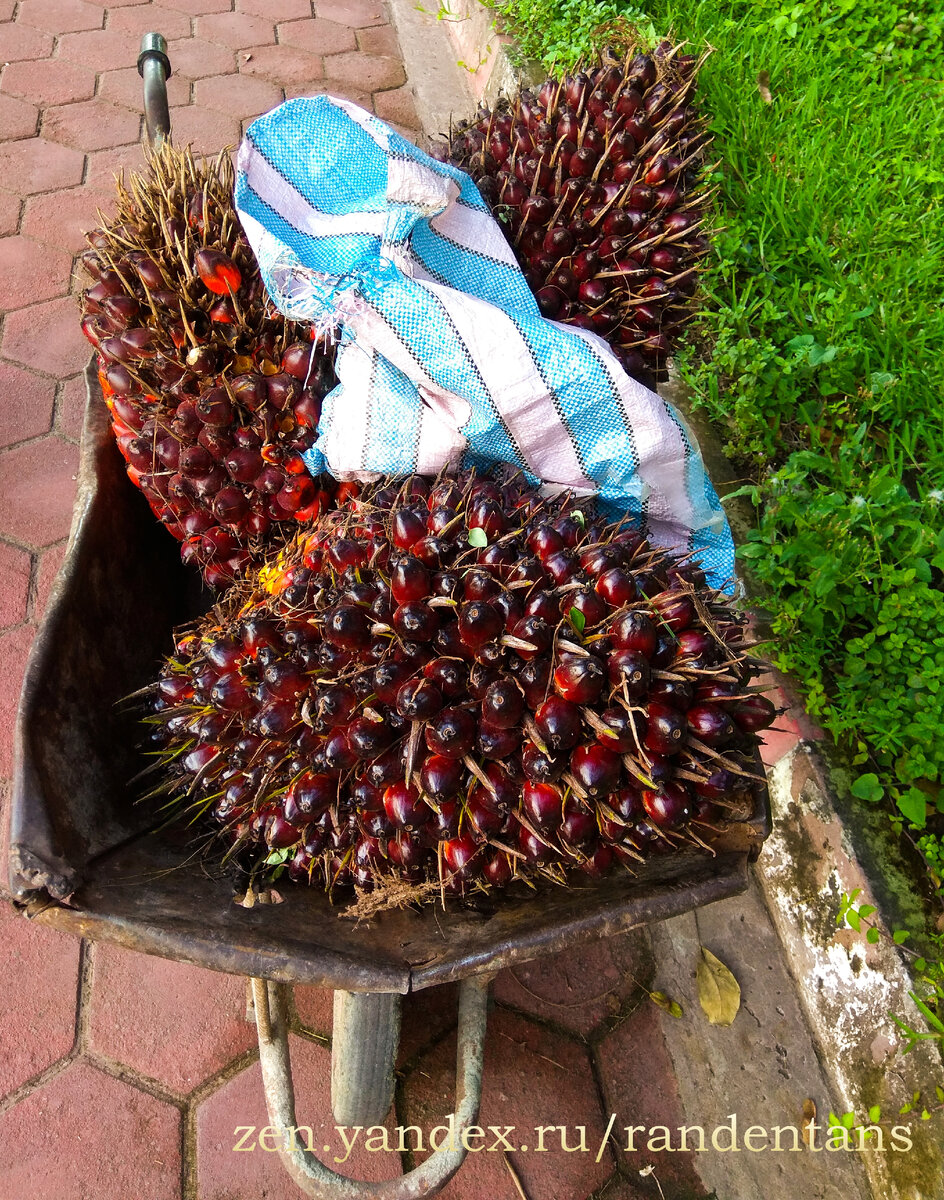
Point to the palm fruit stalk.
(213, 395)
(597, 179)
(451, 684)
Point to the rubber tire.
(364, 1043)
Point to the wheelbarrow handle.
(154, 69)
(313, 1177)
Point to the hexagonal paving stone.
(30, 271)
(398, 107)
(235, 30)
(19, 42)
(15, 570)
(580, 988)
(92, 125)
(143, 18)
(37, 490)
(354, 13)
(170, 1021)
(197, 8)
(70, 411)
(47, 337)
(40, 166)
(239, 96)
(531, 1078)
(14, 652)
(314, 1007)
(372, 72)
(86, 1134)
(7, 8)
(59, 82)
(10, 206)
(18, 119)
(26, 404)
(63, 218)
(224, 1174)
(99, 49)
(103, 166)
(378, 39)
(285, 65)
(275, 10)
(38, 999)
(333, 87)
(60, 16)
(207, 131)
(639, 1086)
(124, 87)
(317, 36)
(197, 58)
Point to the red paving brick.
(59, 81)
(10, 207)
(14, 651)
(100, 49)
(275, 10)
(15, 570)
(235, 30)
(100, 1139)
(71, 408)
(146, 18)
(18, 118)
(19, 42)
(318, 37)
(103, 165)
(47, 337)
(198, 59)
(225, 1175)
(532, 1078)
(397, 107)
(378, 39)
(197, 7)
(237, 96)
(30, 271)
(63, 218)
(579, 989)
(124, 87)
(315, 1007)
(355, 13)
(26, 404)
(372, 72)
(60, 16)
(205, 129)
(37, 488)
(639, 1086)
(169, 1021)
(40, 166)
(285, 65)
(426, 1017)
(92, 125)
(37, 1001)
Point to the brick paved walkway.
(121, 1075)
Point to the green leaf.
(914, 806)
(848, 1120)
(875, 1113)
(867, 787)
(577, 619)
(478, 538)
(579, 518)
(719, 993)
(900, 935)
(661, 1000)
(872, 936)
(275, 857)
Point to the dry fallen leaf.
(718, 991)
(809, 1116)
(672, 1007)
(763, 86)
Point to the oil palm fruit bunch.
(213, 395)
(454, 683)
(595, 178)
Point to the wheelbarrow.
(88, 860)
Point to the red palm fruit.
(217, 271)
(629, 673)
(580, 680)
(596, 768)
(754, 713)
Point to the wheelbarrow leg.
(317, 1180)
(364, 1040)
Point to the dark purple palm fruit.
(596, 180)
(359, 714)
(213, 399)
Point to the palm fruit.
(213, 395)
(595, 179)
(456, 683)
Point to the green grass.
(820, 350)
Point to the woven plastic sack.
(444, 356)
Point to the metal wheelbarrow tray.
(84, 857)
